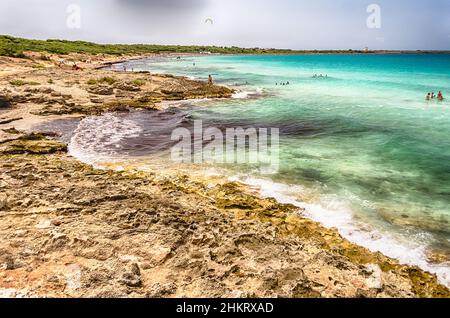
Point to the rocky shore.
(69, 230)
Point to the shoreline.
(231, 199)
(365, 235)
(375, 239)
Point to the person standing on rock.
(210, 79)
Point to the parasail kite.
(209, 20)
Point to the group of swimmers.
(320, 76)
(283, 83)
(431, 96)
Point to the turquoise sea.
(361, 149)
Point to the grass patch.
(138, 82)
(104, 80)
(37, 66)
(22, 83)
(17, 82)
(107, 80)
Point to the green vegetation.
(138, 82)
(21, 83)
(12, 46)
(104, 80)
(107, 80)
(17, 83)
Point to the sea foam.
(332, 212)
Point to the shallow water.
(361, 149)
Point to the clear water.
(361, 148)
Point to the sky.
(294, 24)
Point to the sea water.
(360, 147)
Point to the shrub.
(91, 82)
(17, 82)
(21, 83)
(11, 52)
(138, 82)
(108, 80)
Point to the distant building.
(366, 49)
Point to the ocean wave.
(333, 212)
(99, 138)
(249, 94)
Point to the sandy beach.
(69, 230)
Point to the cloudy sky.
(296, 24)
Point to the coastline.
(239, 208)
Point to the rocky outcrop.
(184, 88)
(82, 232)
(98, 91)
(124, 86)
(35, 144)
(101, 90)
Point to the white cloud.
(299, 24)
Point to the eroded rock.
(4, 102)
(35, 144)
(101, 90)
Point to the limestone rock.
(32, 144)
(101, 90)
(4, 102)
